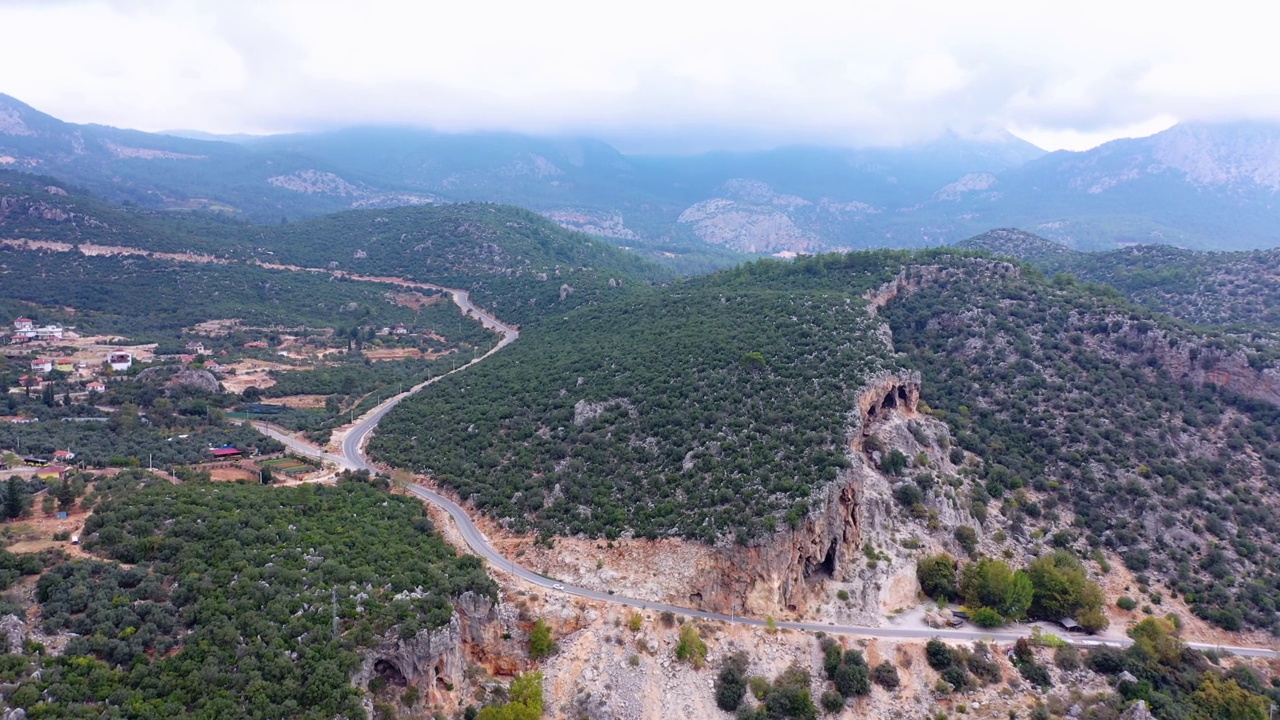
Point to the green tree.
(992, 584)
(540, 642)
(937, 576)
(1061, 587)
(14, 500)
(526, 700)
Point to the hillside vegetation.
(1064, 393)
(703, 411)
(218, 600)
(1239, 289)
(653, 416)
(514, 261)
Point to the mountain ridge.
(1198, 185)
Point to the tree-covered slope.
(700, 410)
(1108, 414)
(217, 600)
(1232, 288)
(1095, 424)
(515, 262)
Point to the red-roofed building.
(52, 472)
(24, 324)
(256, 344)
(41, 365)
(225, 453)
(96, 386)
(63, 455)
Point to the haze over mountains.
(1201, 186)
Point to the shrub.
(967, 537)
(938, 655)
(908, 494)
(1067, 657)
(956, 677)
(1036, 674)
(886, 676)
(691, 648)
(635, 621)
(731, 684)
(842, 595)
(983, 665)
(987, 618)
(852, 679)
(1106, 660)
(832, 701)
(894, 463)
(759, 686)
(1127, 603)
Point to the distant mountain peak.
(1222, 153)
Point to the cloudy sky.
(648, 73)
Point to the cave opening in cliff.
(442, 680)
(391, 674)
(903, 397)
(825, 568)
(890, 401)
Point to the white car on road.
(557, 586)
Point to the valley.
(631, 489)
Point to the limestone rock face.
(15, 630)
(435, 660)
(200, 379)
(1137, 711)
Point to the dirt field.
(216, 328)
(403, 354)
(304, 402)
(414, 300)
(231, 474)
(251, 372)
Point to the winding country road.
(353, 458)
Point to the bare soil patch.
(216, 328)
(302, 402)
(414, 300)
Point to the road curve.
(353, 457)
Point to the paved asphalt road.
(353, 457)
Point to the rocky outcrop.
(918, 276)
(883, 396)
(1137, 711)
(13, 631)
(435, 661)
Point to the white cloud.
(807, 70)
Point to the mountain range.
(1200, 186)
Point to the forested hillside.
(155, 300)
(704, 411)
(515, 262)
(218, 600)
(1240, 289)
(656, 415)
(1088, 403)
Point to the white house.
(49, 332)
(41, 365)
(24, 325)
(120, 361)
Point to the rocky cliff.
(435, 661)
(797, 569)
